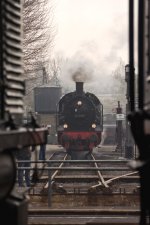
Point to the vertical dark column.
(141, 61)
(79, 88)
(129, 142)
(131, 54)
(119, 129)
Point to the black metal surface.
(131, 54)
(79, 110)
(14, 210)
(141, 118)
(11, 81)
(79, 88)
(141, 62)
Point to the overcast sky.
(95, 30)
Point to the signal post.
(119, 129)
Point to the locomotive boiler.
(80, 122)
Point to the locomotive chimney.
(79, 88)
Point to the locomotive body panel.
(83, 141)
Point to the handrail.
(73, 161)
(77, 168)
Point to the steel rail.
(56, 172)
(36, 170)
(118, 177)
(115, 178)
(102, 181)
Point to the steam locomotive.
(80, 122)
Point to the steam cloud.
(77, 69)
(80, 75)
(91, 66)
(81, 68)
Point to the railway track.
(79, 177)
(99, 184)
(89, 175)
(83, 217)
(63, 175)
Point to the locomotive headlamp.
(65, 125)
(93, 125)
(79, 103)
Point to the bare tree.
(119, 84)
(55, 66)
(119, 78)
(39, 32)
